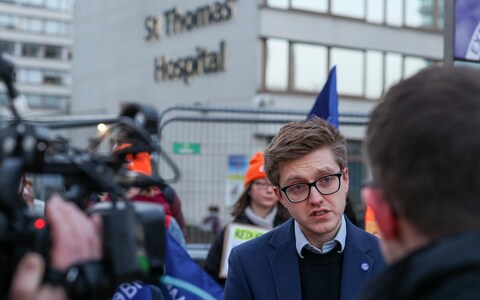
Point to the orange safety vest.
(371, 225)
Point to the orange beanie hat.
(255, 169)
(139, 162)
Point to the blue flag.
(184, 280)
(326, 105)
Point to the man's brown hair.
(299, 138)
(423, 144)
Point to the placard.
(236, 234)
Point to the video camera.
(133, 234)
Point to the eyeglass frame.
(314, 184)
(263, 185)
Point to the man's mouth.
(319, 212)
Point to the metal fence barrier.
(204, 152)
(205, 143)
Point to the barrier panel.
(211, 147)
(204, 153)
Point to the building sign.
(187, 148)
(177, 22)
(153, 24)
(202, 16)
(204, 61)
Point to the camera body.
(133, 233)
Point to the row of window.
(35, 25)
(61, 5)
(41, 101)
(40, 76)
(299, 67)
(32, 50)
(409, 13)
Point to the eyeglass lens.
(326, 185)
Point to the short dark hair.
(299, 138)
(423, 145)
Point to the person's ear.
(385, 216)
(278, 193)
(346, 179)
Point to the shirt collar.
(301, 241)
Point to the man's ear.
(385, 216)
(278, 193)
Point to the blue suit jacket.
(267, 267)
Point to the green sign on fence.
(187, 148)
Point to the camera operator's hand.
(27, 281)
(75, 238)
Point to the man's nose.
(315, 195)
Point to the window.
(46, 101)
(394, 13)
(52, 102)
(34, 101)
(374, 74)
(33, 2)
(375, 11)
(349, 8)
(317, 5)
(399, 13)
(53, 27)
(7, 47)
(29, 76)
(310, 67)
(52, 77)
(31, 50)
(278, 3)
(360, 73)
(440, 14)
(350, 70)
(54, 4)
(414, 64)
(277, 64)
(32, 24)
(7, 21)
(393, 69)
(53, 52)
(420, 13)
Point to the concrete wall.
(113, 61)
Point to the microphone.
(18, 105)
(129, 178)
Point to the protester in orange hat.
(257, 205)
(141, 163)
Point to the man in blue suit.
(318, 254)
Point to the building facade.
(237, 52)
(37, 36)
(245, 53)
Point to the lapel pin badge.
(365, 267)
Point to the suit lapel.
(357, 265)
(284, 263)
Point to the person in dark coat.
(318, 253)
(423, 146)
(257, 205)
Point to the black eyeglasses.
(262, 185)
(326, 185)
